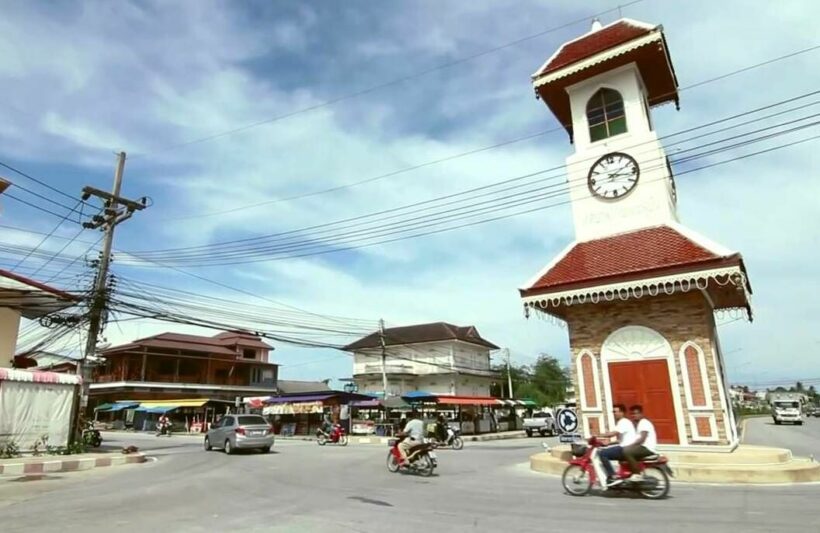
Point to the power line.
(44, 239)
(473, 151)
(385, 84)
(558, 168)
(210, 258)
(39, 182)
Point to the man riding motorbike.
(440, 432)
(625, 433)
(645, 443)
(412, 433)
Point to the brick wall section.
(589, 381)
(695, 377)
(679, 318)
(703, 426)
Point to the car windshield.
(786, 405)
(541, 415)
(252, 420)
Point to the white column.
(9, 328)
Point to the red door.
(647, 383)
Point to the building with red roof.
(637, 289)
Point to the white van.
(787, 411)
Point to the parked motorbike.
(337, 435)
(420, 460)
(452, 437)
(585, 471)
(163, 429)
(91, 436)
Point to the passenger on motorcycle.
(645, 444)
(625, 432)
(327, 425)
(441, 429)
(413, 433)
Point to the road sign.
(567, 420)
(569, 437)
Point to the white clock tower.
(619, 178)
(637, 290)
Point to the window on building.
(605, 114)
(248, 353)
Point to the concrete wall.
(9, 329)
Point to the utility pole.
(384, 357)
(509, 375)
(116, 209)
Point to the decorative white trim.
(539, 80)
(631, 22)
(730, 426)
(595, 379)
(696, 437)
(668, 284)
(558, 258)
(655, 347)
(697, 238)
(687, 384)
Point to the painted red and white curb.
(69, 465)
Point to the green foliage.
(9, 450)
(544, 382)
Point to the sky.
(81, 81)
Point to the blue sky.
(81, 81)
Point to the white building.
(438, 358)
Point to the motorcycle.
(421, 458)
(92, 436)
(336, 436)
(163, 429)
(585, 471)
(452, 439)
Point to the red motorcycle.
(585, 471)
(421, 458)
(336, 436)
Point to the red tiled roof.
(593, 43)
(635, 253)
(217, 344)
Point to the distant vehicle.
(234, 432)
(542, 423)
(787, 411)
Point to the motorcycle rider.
(626, 435)
(327, 426)
(163, 424)
(645, 444)
(413, 433)
(441, 433)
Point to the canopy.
(104, 407)
(117, 406)
(300, 408)
(367, 403)
(198, 402)
(299, 399)
(419, 395)
(396, 403)
(157, 410)
(467, 400)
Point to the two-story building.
(438, 358)
(174, 366)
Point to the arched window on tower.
(605, 114)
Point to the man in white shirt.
(413, 433)
(625, 433)
(645, 444)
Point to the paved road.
(304, 488)
(801, 440)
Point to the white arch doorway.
(639, 366)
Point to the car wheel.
(266, 449)
(799, 423)
(228, 448)
(529, 433)
(207, 444)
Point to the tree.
(545, 382)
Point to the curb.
(69, 465)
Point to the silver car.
(234, 432)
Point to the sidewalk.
(27, 465)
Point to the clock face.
(613, 176)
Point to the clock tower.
(637, 290)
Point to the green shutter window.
(605, 115)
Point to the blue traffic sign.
(567, 420)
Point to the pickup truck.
(542, 423)
(787, 411)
